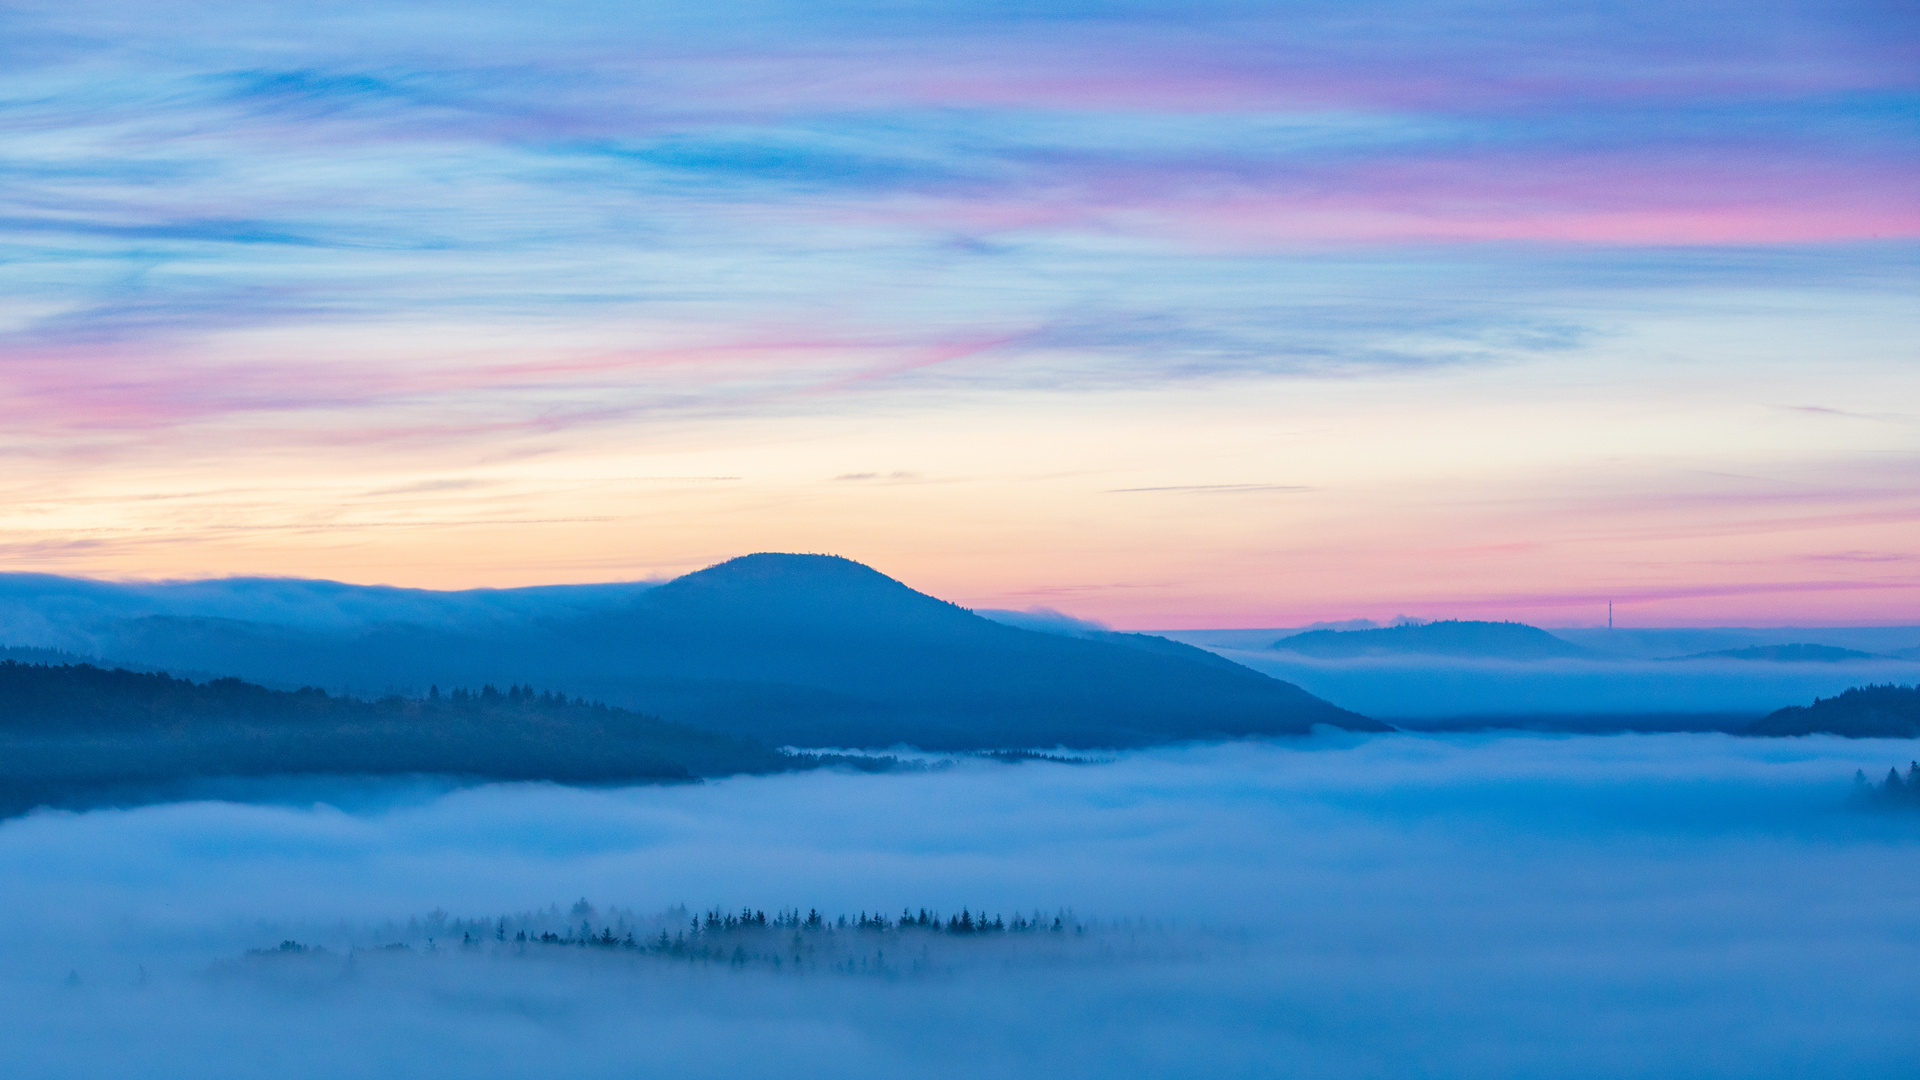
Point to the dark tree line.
(748, 923)
(81, 697)
(788, 940)
(1888, 711)
(719, 923)
(75, 734)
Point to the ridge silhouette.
(791, 649)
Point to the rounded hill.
(1451, 638)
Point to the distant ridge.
(1785, 654)
(63, 613)
(803, 650)
(1864, 712)
(1451, 638)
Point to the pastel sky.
(1162, 313)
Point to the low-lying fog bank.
(1417, 689)
(1480, 906)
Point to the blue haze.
(1635, 906)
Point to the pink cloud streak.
(1589, 199)
(163, 384)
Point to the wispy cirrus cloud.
(439, 234)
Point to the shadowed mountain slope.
(793, 649)
(1457, 638)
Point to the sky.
(1468, 906)
(1162, 314)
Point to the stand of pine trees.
(789, 940)
(1893, 793)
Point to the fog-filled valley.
(1242, 870)
(1626, 678)
(1458, 906)
(929, 540)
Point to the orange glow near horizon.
(1181, 318)
(1527, 491)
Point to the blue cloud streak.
(734, 150)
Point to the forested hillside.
(1864, 712)
(75, 731)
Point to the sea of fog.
(1394, 906)
(1406, 690)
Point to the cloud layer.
(374, 292)
(1511, 906)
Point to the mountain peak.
(785, 588)
(783, 567)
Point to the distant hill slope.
(1785, 654)
(789, 649)
(69, 613)
(1454, 638)
(1661, 643)
(1865, 712)
(70, 730)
